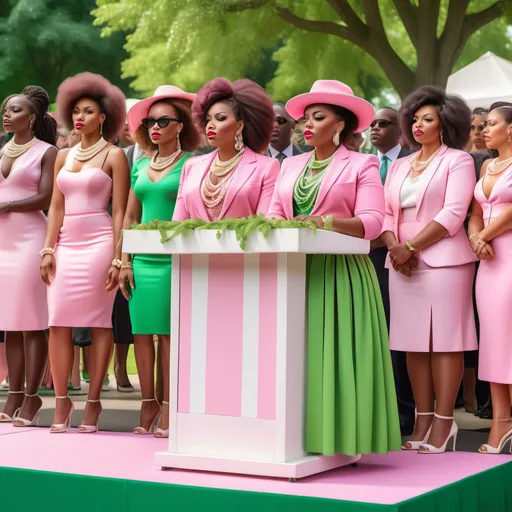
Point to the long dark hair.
(45, 127)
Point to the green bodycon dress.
(150, 304)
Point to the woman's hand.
(126, 276)
(486, 253)
(399, 254)
(47, 268)
(112, 278)
(478, 244)
(311, 218)
(407, 268)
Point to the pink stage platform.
(394, 481)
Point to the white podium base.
(310, 465)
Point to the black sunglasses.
(281, 120)
(164, 121)
(383, 123)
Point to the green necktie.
(280, 157)
(384, 167)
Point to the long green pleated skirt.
(351, 401)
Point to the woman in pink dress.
(427, 198)
(236, 180)
(26, 180)
(490, 237)
(80, 257)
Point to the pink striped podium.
(238, 349)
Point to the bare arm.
(133, 215)
(42, 199)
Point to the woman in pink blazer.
(351, 401)
(236, 180)
(430, 286)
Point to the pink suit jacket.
(248, 193)
(351, 188)
(445, 193)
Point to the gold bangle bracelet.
(410, 247)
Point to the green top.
(158, 199)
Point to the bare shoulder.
(116, 152)
(62, 155)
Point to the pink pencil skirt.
(433, 309)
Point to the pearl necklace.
(82, 155)
(221, 169)
(496, 167)
(13, 150)
(418, 166)
(160, 163)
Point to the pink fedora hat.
(165, 92)
(332, 92)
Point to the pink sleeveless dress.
(23, 304)
(494, 289)
(84, 251)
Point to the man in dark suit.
(385, 135)
(281, 146)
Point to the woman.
(430, 286)
(476, 140)
(490, 238)
(162, 126)
(80, 257)
(26, 181)
(236, 180)
(351, 401)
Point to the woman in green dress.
(162, 125)
(351, 401)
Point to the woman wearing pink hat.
(430, 284)
(236, 180)
(162, 126)
(351, 401)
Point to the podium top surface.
(278, 241)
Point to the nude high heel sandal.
(90, 429)
(487, 449)
(159, 432)
(141, 431)
(428, 448)
(60, 428)
(5, 418)
(415, 445)
(21, 422)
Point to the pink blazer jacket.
(444, 196)
(351, 188)
(248, 193)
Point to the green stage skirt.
(351, 401)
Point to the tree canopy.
(373, 45)
(45, 41)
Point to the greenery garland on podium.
(243, 227)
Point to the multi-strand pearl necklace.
(82, 155)
(213, 193)
(418, 166)
(13, 150)
(496, 167)
(160, 163)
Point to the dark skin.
(432, 373)
(323, 124)
(166, 141)
(282, 133)
(496, 135)
(87, 119)
(26, 352)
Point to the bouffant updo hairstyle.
(454, 115)
(189, 138)
(504, 108)
(45, 127)
(250, 103)
(110, 99)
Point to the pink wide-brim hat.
(165, 92)
(332, 92)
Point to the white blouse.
(409, 192)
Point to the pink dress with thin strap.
(84, 251)
(23, 304)
(494, 289)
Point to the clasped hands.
(481, 247)
(402, 260)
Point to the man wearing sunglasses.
(385, 135)
(281, 146)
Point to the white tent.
(484, 81)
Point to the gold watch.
(410, 247)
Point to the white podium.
(238, 349)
